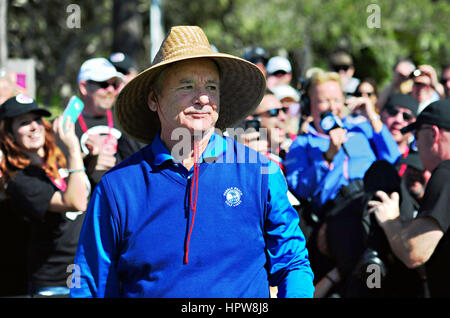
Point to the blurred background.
(54, 37)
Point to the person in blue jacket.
(326, 165)
(193, 214)
(319, 164)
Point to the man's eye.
(212, 87)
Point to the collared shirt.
(245, 235)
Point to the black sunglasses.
(392, 111)
(279, 73)
(275, 111)
(337, 68)
(104, 84)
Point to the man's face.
(424, 144)
(273, 117)
(416, 181)
(102, 94)
(189, 96)
(396, 118)
(326, 96)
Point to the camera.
(415, 73)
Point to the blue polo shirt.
(245, 235)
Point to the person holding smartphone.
(45, 188)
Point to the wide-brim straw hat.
(242, 84)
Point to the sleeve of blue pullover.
(289, 264)
(382, 143)
(306, 169)
(94, 260)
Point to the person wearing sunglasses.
(102, 143)
(342, 63)
(425, 240)
(325, 166)
(368, 88)
(399, 111)
(273, 117)
(426, 87)
(279, 71)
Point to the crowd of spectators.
(337, 138)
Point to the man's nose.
(282, 115)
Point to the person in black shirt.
(425, 239)
(44, 187)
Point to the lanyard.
(109, 116)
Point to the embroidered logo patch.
(233, 196)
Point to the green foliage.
(416, 28)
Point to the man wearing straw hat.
(193, 214)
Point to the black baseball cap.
(403, 100)
(122, 62)
(21, 104)
(437, 113)
(255, 54)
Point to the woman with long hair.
(47, 189)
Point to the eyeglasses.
(104, 84)
(275, 111)
(392, 111)
(359, 94)
(337, 68)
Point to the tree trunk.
(3, 33)
(127, 28)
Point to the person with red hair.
(43, 188)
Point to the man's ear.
(435, 133)
(152, 101)
(82, 86)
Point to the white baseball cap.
(286, 91)
(278, 63)
(98, 69)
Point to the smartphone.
(253, 123)
(73, 109)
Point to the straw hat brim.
(242, 86)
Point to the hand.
(67, 133)
(252, 140)
(387, 209)
(402, 72)
(362, 105)
(105, 161)
(94, 144)
(337, 137)
(429, 71)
